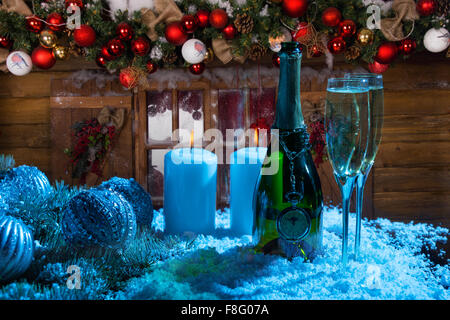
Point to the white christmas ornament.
(436, 40)
(275, 42)
(19, 63)
(193, 51)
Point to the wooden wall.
(411, 177)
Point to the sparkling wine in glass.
(347, 127)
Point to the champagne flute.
(375, 114)
(346, 126)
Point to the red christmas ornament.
(218, 18)
(55, 22)
(386, 53)
(74, 3)
(336, 45)
(407, 46)
(315, 51)
(101, 61)
(127, 78)
(34, 24)
(276, 60)
(43, 58)
(295, 8)
(175, 34)
(331, 17)
(84, 36)
(189, 23)
(151, 67)
(426, 7)
(203, 18)
(106, 54)
(140, 46)
(347, 28)
(115, 47)
(5, 42)
(301, 31)
(229, 32)
(197, 68)
(124, 31)
(376, 67)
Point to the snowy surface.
(393, 265)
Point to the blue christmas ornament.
(16, 248)
(98, 217)
(139, 199)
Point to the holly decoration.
(43, 58)
(229, 32)
(386, 53)
(218, 18)
(295, 8)
(84, 36)
(140, 46)
(426, 7)
(124, 31)
(34, 24)
(189, 23)
(331, 17)
(197, 68)
(175, 33)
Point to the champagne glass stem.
(346, 192)
(360, 183)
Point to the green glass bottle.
(287, 202)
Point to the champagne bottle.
(287, 202)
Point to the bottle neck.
(288, 110)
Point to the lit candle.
(245, 166)
(190, 177)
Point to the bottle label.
(293, 224)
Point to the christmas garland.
(192, 33)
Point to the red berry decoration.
(55, 22)
(34, 24)
(124, 31)
(106, 54)
(151, 67)
(347, 28)
(295, 8)
(336, 45)
(43, 58)
(331, 17)
(128, 78)
(74, 3)
(140, 46)
(426, 7)
(203, 18)
(175, 34)
(218, 18)
(229, 32)
(276, 60)
(101, 61)
(189, 23)
(84, 36)
(197, 68)
(376, 67)
(315, 51)
(407, 46)
(115, 47)
(6, 42)
(386, 53)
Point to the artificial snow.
(393, 265)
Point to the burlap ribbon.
(18, 6)
(392, 28)
(111, 116)
(3, 55)
(164, 11)
(224, 51)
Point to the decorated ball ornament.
(218, 18)
(128, 78)
(19, 63)
(55, 22)
(151, 67)
(34, 24)
(347, 28)
(16, 248)
(203, 18)
(98, 218)
(140, 200)
(5, 42)
(47, 39)
(100, 60)
(105, 53)
(43, 58)
(124, 31)
(193, 51)
(376, 67)
(336, 45)
(229, 32)
(436, 40)
(407, 46)
(209, 56)
(426, 7)
(365, 37)
(175, 34)
(61, 52)
(276, 60)
(115, 48)
(140, 46)
(84, 36)
(276, 41)
(302, 31)
(295, 8)
(197, 68)
(190, 23)
(331, 17)
(386, 53)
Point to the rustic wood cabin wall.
(410, 180)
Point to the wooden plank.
(21, 135)
(86, 102)
(38, 157)
(417, 102)
(24, 110)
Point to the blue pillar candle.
(245, 166)
(190, 178)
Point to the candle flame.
(255, 137)
(191, 141)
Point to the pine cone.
(442, 8)
(243, 23)
(257, 50)
(352, 53)
(170, 58)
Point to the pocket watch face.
(293, 224)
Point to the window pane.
(159, 112)
(155, 179)
(262, 106)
